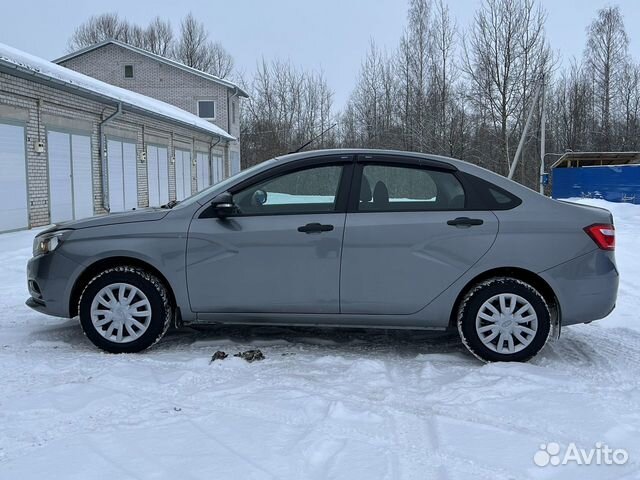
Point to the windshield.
(222, 186)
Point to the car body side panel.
(538, 236)
(163, 248)
(264, 264)
(397, 262)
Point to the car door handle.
(315, 228)
(465, 222)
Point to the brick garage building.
(73, 146)
(207, 96)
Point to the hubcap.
(120, 312)
(506, 323)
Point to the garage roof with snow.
(16, 62)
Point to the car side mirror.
(259, 198)
(223, 205)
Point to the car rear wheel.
(504, 319)
(124, 310)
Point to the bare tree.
(287, 107)
(570, 100)
(98, 29)
(606, 54)
(158, 37)
(506, 49)
(192, 47)
(629, 92)
(419, 56)
(221, 60)
(443, 36)
(405, 89)
(372, 102)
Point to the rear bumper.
(586, 287)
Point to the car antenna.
(314, 139)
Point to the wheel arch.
(110, 262)
(522, 274)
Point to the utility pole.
(514, 164)
(543, 121)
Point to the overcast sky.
(328, 34)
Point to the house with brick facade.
(207, 96)
(73, 146)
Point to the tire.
(525, 318)
(140, 311)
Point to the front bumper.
(50, 278)
(36, 305)
(586, 287)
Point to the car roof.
(366, 151)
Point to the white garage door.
(158, 175)
(202, 166)
(217, 168)
(235, 162)
(183, 174)
(121, 168)
(13, 178)
(70, 179)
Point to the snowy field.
(323, 404)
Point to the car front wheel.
(504, 319)
(124, 310)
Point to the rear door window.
(397, 188)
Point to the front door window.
(313, 190)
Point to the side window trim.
(354, 188)
(395, 160)
(478, 200)
(398, 162)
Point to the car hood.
(142, 215)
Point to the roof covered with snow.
(158, 58)
(595, 159)
(61, 77)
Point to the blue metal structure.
(615, 183)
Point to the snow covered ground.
(323, 404)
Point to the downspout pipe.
(103, 156)
(236, 93)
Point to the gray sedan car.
(350, 238)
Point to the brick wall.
(157, 80)
(39, 107)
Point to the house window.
(233, 112)
(206, 109)
(128, 71)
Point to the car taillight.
(603, 234)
